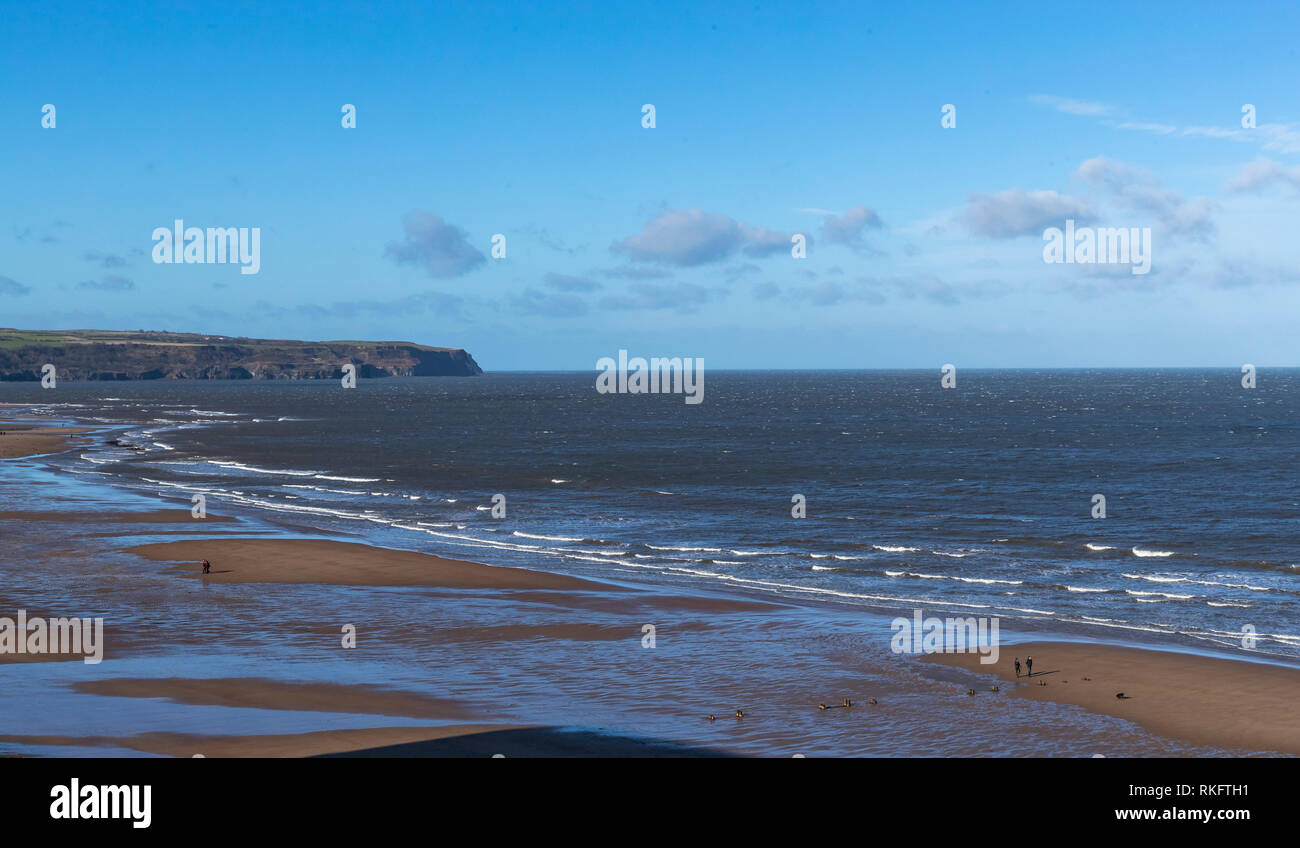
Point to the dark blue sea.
(977, 499)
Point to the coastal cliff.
(114, 355)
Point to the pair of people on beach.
(207, 569)
(1029, 662)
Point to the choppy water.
(975, 500)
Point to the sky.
(923, 242)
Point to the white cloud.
(849, 228)
(431, 243)
(1138, 189)
(686, 237)
(1070, 106)
(1014, 212)
(1261, 174)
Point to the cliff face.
(109, 355)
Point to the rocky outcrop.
(111, 355)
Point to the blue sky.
(925, 242)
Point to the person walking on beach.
(1017, 666)
(1029, 664)
(207, 567)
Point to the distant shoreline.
(116, 356)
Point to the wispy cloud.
(1139, 189)
(549, 240)
(680, 297)
(548, 304)
(1146, 126)
(1273, 137)
(12, 287)
(111, 283)
(444, 305)
(570, 283)
(735, 272)
(1070, 106)
(1244, 273)
(107, 260)
(879, 290)
(634, 272)
(1262, 174)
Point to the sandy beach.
(1226, 703)
(17, 441)
(344, 564)
(257, 560)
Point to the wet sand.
(1220, 702)
(20, 440)
(111, 646)
(278, 695)
(457, 740)
(344, 564)
(1223, 703)
(317, 562)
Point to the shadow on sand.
(537, 742)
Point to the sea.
(1145, 507)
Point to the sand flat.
(266, 694)
(1204, 700)
(260, 560)
(17, 441)
(328, 562)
